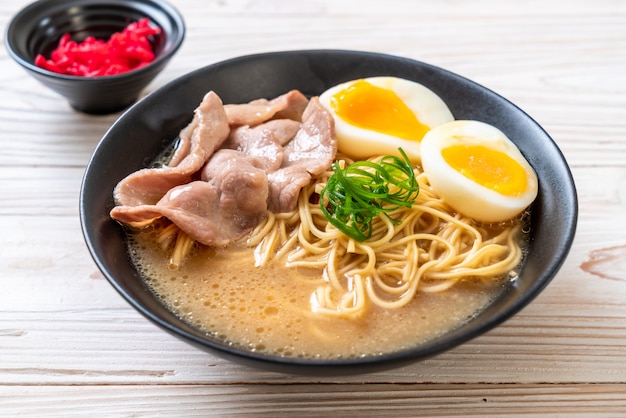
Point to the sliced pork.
(289, 105)
(284, 188)
(209, 129)
(224, 177)
(258, 143)
(283, 129)
(314, 146)
(309, 153)
(229, 202)
(184, 143)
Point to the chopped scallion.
(356, 194)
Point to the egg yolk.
(487, 167)
(375, 108)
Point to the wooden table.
(71, 346)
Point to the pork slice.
(190, 206)
(243, 185)
(284, 187)
(215, 212)
(184, 143)
(209, 130)
(289, 105)
(257, 143)
(314, 145)
(136, 216)
(283, 129)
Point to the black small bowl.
(141, 133)
(37, 28)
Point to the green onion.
(355, 195)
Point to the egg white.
(463, 194)
(362, 143)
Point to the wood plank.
(370, 400)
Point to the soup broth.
(267, 309)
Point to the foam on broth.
(267, 309)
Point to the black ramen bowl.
(141, 133)
(37, 28)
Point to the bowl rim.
(41, 5)
(345, 365)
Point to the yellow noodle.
(183, 245)
(429, 248)
(262, 229)
(165, 237)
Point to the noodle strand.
(425, 248)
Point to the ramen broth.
(267, 309)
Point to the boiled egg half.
(478, 171)
(378, 115)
